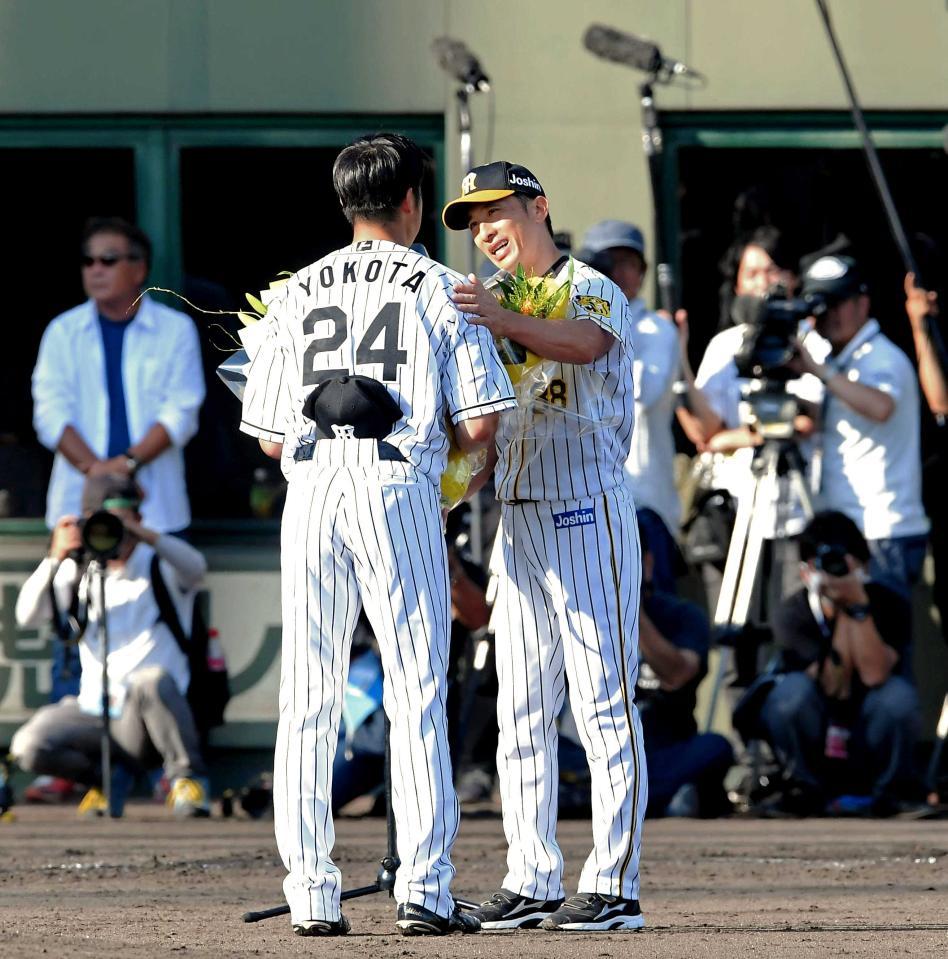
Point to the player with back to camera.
(568, 597)
(362, 524)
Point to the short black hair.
(524, 201)
(832, 528)
(372, 174)
(138, 243)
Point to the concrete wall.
(571, 118)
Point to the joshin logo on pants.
(574, 517)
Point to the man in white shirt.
(148, 672)
(118, 384)
(617, 249)
(870, 466)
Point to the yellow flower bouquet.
(539, 296)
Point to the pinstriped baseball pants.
(567, 608)
(354, 535)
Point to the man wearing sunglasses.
(118, 383)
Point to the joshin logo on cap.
(516, 180)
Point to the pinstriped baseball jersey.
(360, 530)
(381, 310)
(557, 459)
(567, 610)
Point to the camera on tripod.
(772, 323)
(771, 326)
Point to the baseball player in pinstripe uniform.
(361, 357)
(568, 598)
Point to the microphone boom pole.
(461, 64)
(872, 157)
(881, 184)
(630, 51)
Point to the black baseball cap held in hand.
(492, 181)
(355, 401)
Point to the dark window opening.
(811, 194)
(49, 193)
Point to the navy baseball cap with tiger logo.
(492, 181)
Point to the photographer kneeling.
(148, 674)
(844, 720)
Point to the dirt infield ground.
(146, 886)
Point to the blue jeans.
(662, 546)
(882, 742)
(897, 561)
(702, 760)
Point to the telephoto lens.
(102, 535)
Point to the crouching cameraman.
(844, 720)
(148, 673)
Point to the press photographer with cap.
(844, 717)
(869, 463)
(617, 249)
(148, 673)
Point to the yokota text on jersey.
(380, 310)
(582, 450)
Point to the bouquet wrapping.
(544, 407)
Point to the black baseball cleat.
(590, 912)
(510, 910)
(322, 927)
(417, 921)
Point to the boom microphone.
(632, 51)
(455, 58)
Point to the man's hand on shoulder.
(474, 298)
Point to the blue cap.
(610, 234)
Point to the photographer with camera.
(147, 671)
(844, 717)
(869, 465)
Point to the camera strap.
(167, 613)
(70, 624)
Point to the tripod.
(388, 865)
(70, 629)
(776, 474)
(97, 570)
